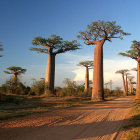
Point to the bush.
(10, 87)
(38, 87)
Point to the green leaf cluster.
(15, 69)
(134, 51)
(54, 44)
(88, 64)
(102, 30)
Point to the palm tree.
(15, 71)
(134, 53)
(122, 72)
(96, 34)
(88, 65)
(52, 46)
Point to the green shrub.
(38, 87)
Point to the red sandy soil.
(100, 121)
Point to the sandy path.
(98, 121)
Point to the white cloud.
(110, 67)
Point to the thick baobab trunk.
(86, 80)
(124, 91)
(126, 86)
(98, 88)
(50, 74)
(138, 79)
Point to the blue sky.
(22, 20)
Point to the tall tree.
(52, 46)
(15, 71)
(122, 72)
(134, 53)
(88, 65)
(130, 82)
(126, 86)
(96, 34)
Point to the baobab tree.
(134, 53)
(52, 46)
(126, 85)
(122, 72)
(88, 65)
(96, 34)
(15, 71)
(130, 82)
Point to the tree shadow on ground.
(65, 132)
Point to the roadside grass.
(17, 105)
(133, 126)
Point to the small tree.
(122, 72)
(88, 65)
(15, 71)
(38, 87)
(134, 53)
(52, 46)
(96, 34)
(70, 87)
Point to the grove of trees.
(97, 33)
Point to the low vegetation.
(19, 100)
(133, 126)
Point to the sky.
(22, 20)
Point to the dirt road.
(97, 121)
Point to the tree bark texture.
(50, 74)
(124, 91)
(87, 80)
(98, 84)
(138, 79)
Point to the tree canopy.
(15, 69)
(54, 44)
(134, 51)
(99, 30)
(88, 64)
(134, 69)
(123, 71)
(130, 77)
